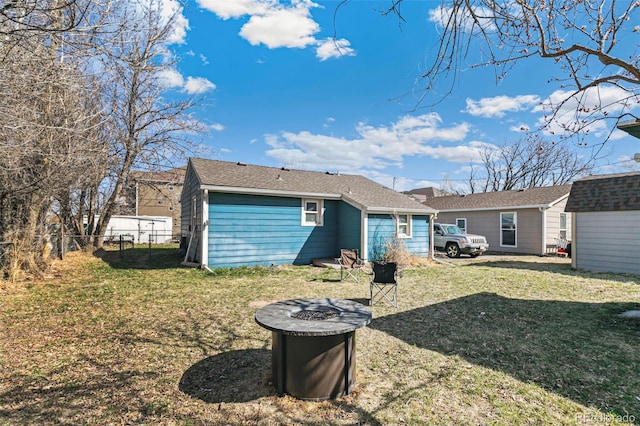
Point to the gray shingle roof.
(351, 188)
(532, 197)
(601, 193)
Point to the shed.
(237, 214)
(606, 223)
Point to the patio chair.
(561, 247)
(350, 264)
(384, 283)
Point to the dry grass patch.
(140, 340)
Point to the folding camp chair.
(384, 283)
(350, 264)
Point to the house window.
(311, 212)
(462, 224)
(403, 226)
(508, 225)
(563, 226)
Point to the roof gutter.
(274, 192)
(395, 210)
(533, 206)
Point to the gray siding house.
(236, 214)
(606, 225)
(524, 221)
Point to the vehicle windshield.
(452, 229)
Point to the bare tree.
(588, 43)
(45, 145)
(24, 22)
(81, 104)
(146, 129)
(527, 163)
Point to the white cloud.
(204, 59)
(217, 127)
(520, 128)
(281, 27)
(276, 25)
(376, 147)
(442, 15)
(497, 106)
(172, 8)
(198, 85)
(584, 111)
(227, 9)
(171, 78)
(330, 48)
(328, 122)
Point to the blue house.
(236, 214)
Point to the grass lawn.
(141, 340)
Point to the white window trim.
(560, 228)
(515, 223)
(465, 223)
(409, 220)
(319, 213)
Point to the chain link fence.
(58, 244)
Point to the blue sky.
(294, 84)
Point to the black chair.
(384, 283)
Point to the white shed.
(143, 229)
(606, 223)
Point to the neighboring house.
(235, 214)
(421, 194)
(158, 194)
(606, 212)
(524, 221)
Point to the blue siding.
(264, 230)
(349, 227)
(382, 229)
(418, 244)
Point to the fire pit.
(313, 345)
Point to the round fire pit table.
(313, 354)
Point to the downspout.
(574, 234)
(204, 240)
(137, 195)
(364, 235)
(432, 219)
(543, 210)
(432, 247)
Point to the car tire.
(452, 250)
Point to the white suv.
(454, 241)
